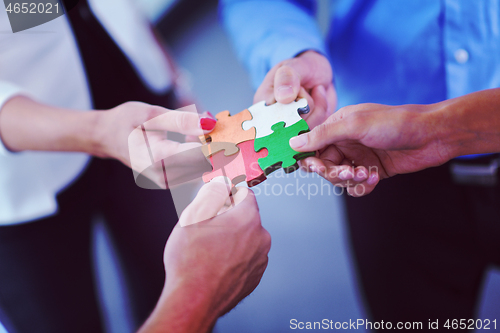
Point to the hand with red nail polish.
(136, 134)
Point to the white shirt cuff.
(7, 91)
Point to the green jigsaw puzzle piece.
(280, 152)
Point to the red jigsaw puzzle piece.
(232, 167)
(239, 167)
(254, 174)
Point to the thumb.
(208, 202)
(286, 84)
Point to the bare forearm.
(28, 125)
(469, 124)
(181, 310)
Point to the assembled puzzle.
(253, 143)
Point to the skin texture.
(364, 143)
(214, 258)
(309, 75)
(28, 125)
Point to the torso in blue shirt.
(414, 51)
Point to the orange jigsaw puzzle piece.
(215, 147)
(229, 128)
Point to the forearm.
(28, 125)
(181, 310)
(469, 124)
(269, 35)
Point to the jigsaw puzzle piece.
(232, 167)
(279, 151)
(228, 129)
(265, 116)
(254, 173)
(229, 148)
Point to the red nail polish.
(207, 124)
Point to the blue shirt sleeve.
(267, 32)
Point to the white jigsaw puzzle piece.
(265, 116)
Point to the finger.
(191, 138)
(332, 173)
(312, 164)
(187, 123)
(331, 97)
(265, 92)
(286, 84)
(365, 187)
(325, 169)
(238, 196)
(242, 210)
(208, 202)
(310, 101)
(329, 132)
(332, 154)
(162, 148)
(360, 190)
(343, 175)
(373, 178)
(320, 108)
(360, 174)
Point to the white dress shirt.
(44, 63)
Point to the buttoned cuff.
(7, 91)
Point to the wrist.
(196, 297)
(457, 131)
(182, 307)
(440, 136)
(97, 134)
(460, 130)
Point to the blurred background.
(310, 275)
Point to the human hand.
(309, 76)
(213, 264)
(361, 144)
(136, 134)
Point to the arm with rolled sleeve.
(7, 91)
(265, 33)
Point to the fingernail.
(345, 175)
(372, 179)
(313, 168)
(298, 141)
(221, 179)
(207, 124)
(284, 92)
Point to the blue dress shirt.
(382, 51)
